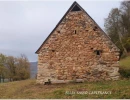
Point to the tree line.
(14, 68)
(117, 26)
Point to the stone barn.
(77, 49)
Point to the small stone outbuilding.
(77, 49)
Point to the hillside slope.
(33, 69)
(28, 89)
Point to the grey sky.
(24, 25)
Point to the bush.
(124, 72)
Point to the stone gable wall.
(78, 49)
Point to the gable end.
(75, 7)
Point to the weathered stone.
(77, 50)
(79, 80)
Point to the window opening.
(76, 8)
(75, 32)
(98, 52)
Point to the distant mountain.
(33, 69)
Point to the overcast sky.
(24, 25)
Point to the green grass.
(125, 63)
(28, 89)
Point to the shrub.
(124, 72)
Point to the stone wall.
(78, 49)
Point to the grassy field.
(29, 89)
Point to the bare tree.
(3, 69)
(11, 65)
(114, 28)
(23, 67)
(19, 68)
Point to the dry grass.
(28, 89)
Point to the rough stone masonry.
(77, 49)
